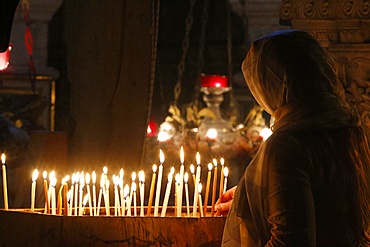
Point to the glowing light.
(265, 133)
(212, 134)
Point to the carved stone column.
(343, 26)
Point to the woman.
(308, 183)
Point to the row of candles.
(74, 200)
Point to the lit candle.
(141, 187)
(93, 178)
(200, 199)
(84, 202)
(222, 162)
(101, 192)
(214, 187)
(116, 196)
(65, 192)
(5, 187)
(87, 177)
(77, 178)
(33, 189)
(71, 195)
(181, 185)
(150, 201)
(121, 173)
(159, 182)
(107, 206)
(53, 182)
(226, 174)
(133, 187)
(210, 166)
(192, 170)
(82, 185)
(177, 188)
(126, 192)
(168, 191)
(133, 178)
(197, 178)
(186, 179)
(46, 193)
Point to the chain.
(185, 47)
(28, 40)
(202, 44)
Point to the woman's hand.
(223, 206)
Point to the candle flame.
(215, 162)
(161, 156)
(133, 187)
(102, 181)
(177, 178)
(182, 155)
(265, 133)
(211, 134)
(93, 177)
(85, 200)
(200, 188)
(45, 175)
(77, 177)
(51, 175)
(82, 179)
(226, 171)
(105, 170)
(186, 177)
(222, 161)
(133, 176)
(210, 166)
(35, 175)
(3, 158)
(107, 184)
(115, 180)
(53, 181)
(170, 175)
(121, 173)
(126, 190)
(154, 168)
(197, 157)
(192, 169)
(141, 176)
(172, 170)
(87, 177)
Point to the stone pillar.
(343, 26)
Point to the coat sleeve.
(290, 203)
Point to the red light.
(214, 80)
(4, 58)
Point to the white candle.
(5, 186)
(181, 185)
(65, 195)
(167, 194)
(84, 202)
(222, 162)
(88, 192)
(159, 183)
(77, 178)
(107, 206)
(226, 174)
(210, 166)
(200, 199)
(101, 193)
(133, 187)
(33, 189)
(186, 179)
(93, 178)
(81, 197)
(121, 173)
(177, 189)
(126, 192)
(214, 187)
(117, 206)
(53, 182)
(142, 188)
(71, 194)
(150, 201)
(197, 178)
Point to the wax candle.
(222, 162)
(141, 187)
(200, 199)
(192, 171)
(77, 178)
(150, 201)
(53, 182)
(82, 185)
(87, 177)
(93, 178)
(116, 196)
(5, 186)
(181, 185)
(186, 179)
(210, 166)
(107, 206)
(71, 195)
(133, 187)
(65, 192)
(226, 174)
(167, 194)
(46, 193)
(177, 188)
(126, 192)
(197, 178)
(84, 202)
(121, 173)
(35, 174)
(101, 193)
(214, 187)
(159, 182)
